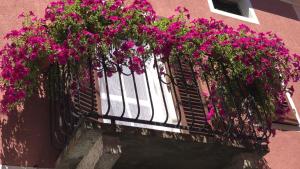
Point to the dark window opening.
(227, 6)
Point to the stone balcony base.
(122, 147)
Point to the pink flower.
(178, 9)
(87, 33)
(136, 65)
(136, 60)
(249, 79)
(75, 16)
(49, 15)
(113, 7)
(70, 2)
(21, 15)
(94, 8)
(114, 18)
(13, 33)
(31, 13)
(127, 45)
(211, 112)
(141, 50)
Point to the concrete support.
(83, 151)
(90, 159)
(107, 161)
(111, 152)
(89, 149)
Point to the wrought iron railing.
(167, 96)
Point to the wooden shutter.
(85, 99)
(190, 99)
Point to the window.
(131, 105)
(238, 9)
(164, 97)
(228, 6)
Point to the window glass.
(228, 6)
(238, 9)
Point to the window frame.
(252, 18)
(289, 127)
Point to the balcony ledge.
(147, 148)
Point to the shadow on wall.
(26, 136)
(280, 8)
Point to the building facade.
(26, 138)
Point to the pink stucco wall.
(25, 137)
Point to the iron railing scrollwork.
(77, 96)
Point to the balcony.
(168, 96)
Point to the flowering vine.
(248, 71)
(243, 67)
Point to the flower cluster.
(68, 34)
(247, 71)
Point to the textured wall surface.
(25, 136)
(25, 139)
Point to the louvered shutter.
(85, 99)
(190, 98)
